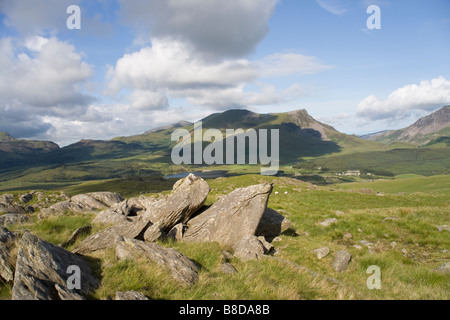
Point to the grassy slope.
(407, 275)
(424, 161)
(432, 185)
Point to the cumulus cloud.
(42, 77)
(425, 96)
(284, 64)
(171, 68)
(32, 17)
(214, 28)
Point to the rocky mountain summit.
(38, 270)
(425, 130)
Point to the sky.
(135, 65)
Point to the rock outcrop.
(187, 197)
(9, 205)
(7, 259)
(83, 203)
(233, 217)
(13, 218)
(42, 272)
(181, 268)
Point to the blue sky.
(136, 64)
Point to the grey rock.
(181, 268)
(366, 243)
(7, 260)
(25, 198)
(390, 219)
(226, 255)
(347, 236)
(322, 252)
(6, 236)
(272, 224)
(249, 248)
(8, 205)
(228, 268)
(41, 272)
(187, 197)
(82, 203)
(268, 247)
(328, 222)
(13, 218)
(176, 233)
(106, 238)
(443, 228)
(443, 268)
(231, 218)
(106, 198)
(341, 260)
(130, 296)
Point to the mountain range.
(301, 137)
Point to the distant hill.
(433, 128)
(14, 152)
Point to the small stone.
(340, 213)
(443, 268)
(393, 244)
(130, 296)
(360, 230)
(322, 252)
(341, 260)
(366, 243)
(390, 219)
(228, 268)
(347, 236)
(404, 251)
(443, 227)
(328, 222)
(357, 247)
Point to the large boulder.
(83, 203)
(187, 197)
(7, 259)
(181, 268)
(13, 218)
(42, 272)
(249, 248)
(105, 238)
(119, 212)
(233, 217)
(8, 205)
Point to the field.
(407, 246)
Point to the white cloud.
(31, 17)
(43, 78)
(284, 64)
(336, 7)
(172, 69)
(426, 96)
(214, 28)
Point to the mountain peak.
(423, 131)
(4, 136)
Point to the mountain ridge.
(424, 131)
